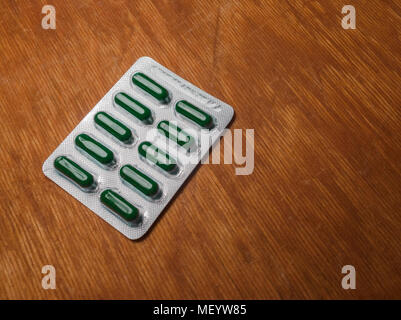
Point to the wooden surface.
(326, 189)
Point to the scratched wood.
(326, 188)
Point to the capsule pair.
(111, 199)
(161, 94)
(105, 157)
(94, 148)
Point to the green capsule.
(175, 133)
(139, 180)
(151, 87)
(195, 114)
(73, 171)
(114, 127)
(158, 157)
(134, 107)
(119, 205)
(95, 149)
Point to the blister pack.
(133, 151)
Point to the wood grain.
(326, 189)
